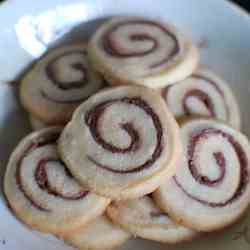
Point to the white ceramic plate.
(28, 28)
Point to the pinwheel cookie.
(101, 234)
(143, 218)
(203, 94)
(58, 83)
(211, 188)
(141, 51)
(42, 193)
(122, 142)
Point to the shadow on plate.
(81, 33)
(14, 127)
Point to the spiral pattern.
(41, 171)
(203, 94)
(54, 71)
(70, 75)
(131, 49)
(58, 83)
(120, 133)
(220, 160)
(143, 218)
(36, 173)
(213, 175)
(92, 120)
(138, 40)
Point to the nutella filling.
(203, 97)
(220, 160)
(43, 182)
(93, 117)
(40, 173)
(51, 72)
(110, 45)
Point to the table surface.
(243, 3)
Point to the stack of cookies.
(139, 140)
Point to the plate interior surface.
(29, 28)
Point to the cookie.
(211, 188)
(136, 50)
(36, 124)
(42, 193)
(143, 218)
(203, 94)
(58, 83)
(122, 142)
(101, 234)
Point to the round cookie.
(36, 124)
(42, 193)
(122, 142)
(211, 188)
(143, 218)
(101, 234)
(58, 83)
(203, 94)
(141, 51)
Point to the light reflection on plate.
(36, 33)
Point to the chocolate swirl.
(208, 93)
(204, 97)
(41, 176)
(43, 182)
(68, 76)
(52, 99)
(53, 70)
(221, 162)
(93, 119)
(141, 35)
